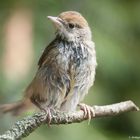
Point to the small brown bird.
(66, 69)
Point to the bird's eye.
(71, 25)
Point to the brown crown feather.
(74, 17)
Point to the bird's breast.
(79, 60)
(77, 54)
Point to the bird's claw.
(49, 112)
(88, 111)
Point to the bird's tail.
(16, 108)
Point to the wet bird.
(66, 69)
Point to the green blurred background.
(24, 33)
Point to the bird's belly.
(82, 65)
(85, 75)
(81, 79)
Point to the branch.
(28, 124)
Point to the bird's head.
(71, 26)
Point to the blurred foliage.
(116, 31)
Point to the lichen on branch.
(28, 124)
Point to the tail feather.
(16, 108)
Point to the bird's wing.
(51, 83)
(46, 51)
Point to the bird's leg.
(47, 110)
(49, 115)
(88, 111)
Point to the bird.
(66, 69)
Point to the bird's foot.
(88, 111)
(49, 112)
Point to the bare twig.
(27, 125)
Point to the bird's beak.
(56, 21)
